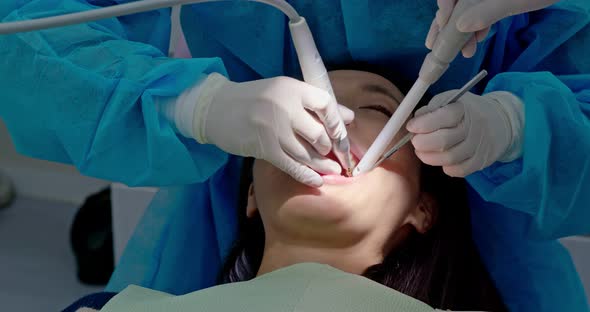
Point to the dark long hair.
(441, 268)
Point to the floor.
(37, 267)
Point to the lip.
(334, 179)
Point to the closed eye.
(379, 108)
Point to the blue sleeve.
(543, 59)
(180, 243)
(85, 95)
(530, 275)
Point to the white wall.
(579, 247)
(43, 179)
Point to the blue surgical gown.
(85, 95)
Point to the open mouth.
(344, 173)
(344, 177)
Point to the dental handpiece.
(446, 47)
(315, 73)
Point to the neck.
(352, 259)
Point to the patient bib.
(302, 287)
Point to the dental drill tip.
(349, 172)
(349, 163)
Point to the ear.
(424, 215)
(252, 206)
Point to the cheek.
(273, 187)
(396, 187)
(367, 126)
(266, 178)
(406, 164)
(395, 184)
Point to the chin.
(339, 206)
(337, 201)
(317, 206)
(321, 219)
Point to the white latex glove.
(470, 134)
(479, 18)
(271, 119)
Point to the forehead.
(359, 82)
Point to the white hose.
(121, 10)
(283, 6)
(175, 30)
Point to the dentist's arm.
(281, 120)
(545, 72)
(91, 95)
(470, 134)
(87, 95)
(479, 18)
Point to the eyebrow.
(375, 88)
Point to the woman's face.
(377, 204)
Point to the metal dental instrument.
(408, 137)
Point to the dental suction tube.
(121, 10)
(446, 47)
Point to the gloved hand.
(470, 134)
(480, 17)
(271, 119)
